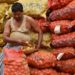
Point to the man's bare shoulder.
(28, 17)
(8, 22)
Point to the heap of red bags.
(61, 60)
(62, 28)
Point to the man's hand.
(22, 42)
(30, 50)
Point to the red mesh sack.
(64, 53)
(67, 66)
(13, 55)
(15, 63)
(61, 27)
(15, 68)
(34, 71)
(45, 72)
(56, 4)
(67, 12)
(42, 23)
(41, 59)
(66, 40)
(53, 72)
(62, 73)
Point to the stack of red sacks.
(62, 28)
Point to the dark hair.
(17, 7)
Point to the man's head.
(17, 11)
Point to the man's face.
(17, 15)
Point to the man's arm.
(37, 29)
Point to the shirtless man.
(22, 25)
